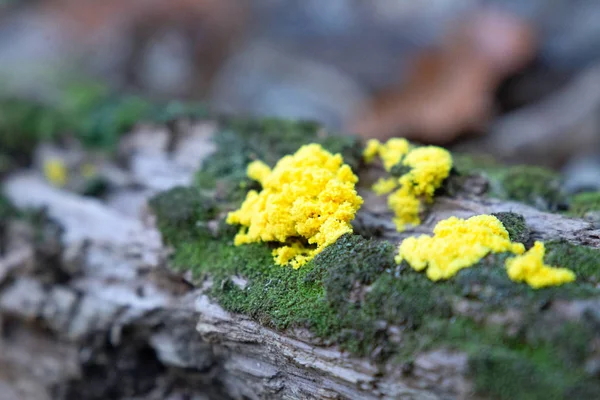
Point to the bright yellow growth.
(531, 269)
(56, 172)
(457, 243)
(371, 150)
(385, 186)
(307, 202)
(427, 168)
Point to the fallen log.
(101, 313)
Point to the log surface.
(109, 305)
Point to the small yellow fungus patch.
(406, 208)
(258, 170)
(55, 172)
(392, 152)
(371, 150)
(307, 202)
(456, 244)
(531, 269)
(428, 167)
(385, 186)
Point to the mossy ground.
(6, 212)
(583, 203)
(88, 112)
(241, 141)
(536, 186)
(352, 294)
(355, 296)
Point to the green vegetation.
(6, 211)
(6, 208)
(536, 186)
(516, 226)
(88, 112)
(241, 141)
(354, 295)
(182, 213)
(584, 261)
(582, 203)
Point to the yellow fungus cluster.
(427, 168)
(55, 171)
(307, 202)
(457, 243)
(530, 268)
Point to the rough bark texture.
(97, 314)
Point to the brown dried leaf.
(449, 90)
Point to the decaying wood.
(116, 310)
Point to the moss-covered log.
(144, 295)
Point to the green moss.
(506, 374)
(547, 362)
(6, 212)
(536, 186)
(277, 297)
(102, 124)
(241, 141)
(571, 341)
(488, 283)
(355, 296)
(182, 212)
(89, 112)
(350, 264)
(269, 139)
(515, 225)
(399, 169)
(352, 292)
(584, 261)
(582, 203)
(6, 208)
(22, 125)
(467, 164)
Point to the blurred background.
(518, 79)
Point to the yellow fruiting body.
(456, 244)
(406, 208)
(392, 152)
(371, 150)
(258, 170)
(428, 167)
(385, 186)
(530, 268)
(307, 202)
(55, 171)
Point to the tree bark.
(106, 318)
